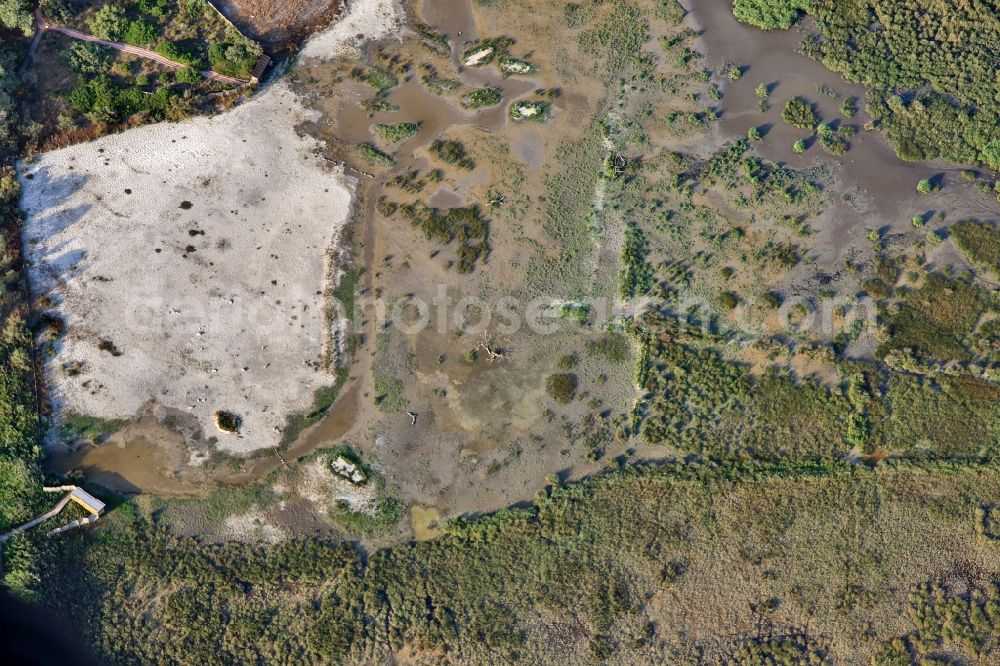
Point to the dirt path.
(35, 40)
(43, 25)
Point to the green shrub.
(636, 277)
(833, 144)
(177, 53)
(990, 154)
(387, 512)
(452, 152)
(381, 79)
(157, 8)
(529, 110)
(374, 156)
(87, 59)
(139, 33)
(396, 131)
(482, 97)
(980, 242)
(514, 66)
(561, 387)
(484, 52)
(850, 107)
(799, 113)
(187, 75)
(731, 71)
(237, 57)
(59, 11)
(105, 101)
(767, 14)
(432, 39)
(108, 22)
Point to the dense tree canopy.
(17, 14)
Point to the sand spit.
(189, 262)
(364, 20)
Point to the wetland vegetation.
(781, 447)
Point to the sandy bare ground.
(364, 20)
(189, 262)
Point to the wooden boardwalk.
(74, 493)
(41, 519)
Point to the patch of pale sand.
(189, 262)
(477, 57)
(320, 485)
(252, 526)
(364, 20)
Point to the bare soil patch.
(189, 263)
(277, 24)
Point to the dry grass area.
(280, 25)
(687, 564)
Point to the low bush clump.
(466, 225)
(396, 131)
(486, 51)
(374, 156)
(431, 38)
(104, 101)
(561, 387)
(799, 113)
(236, 57)
(177, 53)
(452, 152)
(518, 67)
(768, 14)
(139, 33)
(88, 59)
(381, 79)
(482, 97)
(980, 242)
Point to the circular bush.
(561, 387)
